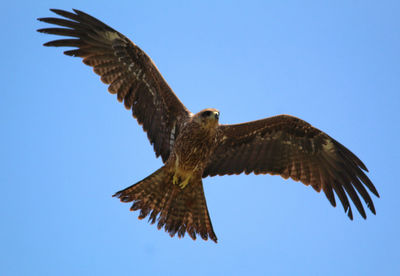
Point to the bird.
(195, 146)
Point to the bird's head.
(207, 117)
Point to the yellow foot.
(175, 180)
(184, 183)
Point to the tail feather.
(177, 210)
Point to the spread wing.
(290, 147)
(130, 73)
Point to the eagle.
(194, 146)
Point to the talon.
(184, 183)
(175, 180)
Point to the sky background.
(67, 145)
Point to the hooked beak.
(216, 114)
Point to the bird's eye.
(206, 113)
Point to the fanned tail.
(177, 210)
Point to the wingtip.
(371, 207)
(79, 12)
(362, 165)
(48, 44)
(350, 213)
(58, 11)
(373, 189)
(117, 194)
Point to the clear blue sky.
(67, 145)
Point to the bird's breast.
(193, 148)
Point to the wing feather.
(130, 73)
(290, 147)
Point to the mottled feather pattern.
(178, 211)
(127, 69)
(287, 146)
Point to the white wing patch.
(111, 35)
(328, 147)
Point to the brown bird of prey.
(194, 146)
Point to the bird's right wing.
(130, 73)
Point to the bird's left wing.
(290, 147)
(130, 73)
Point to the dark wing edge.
(287, 146)
(130, 73)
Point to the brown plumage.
(193, 146)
